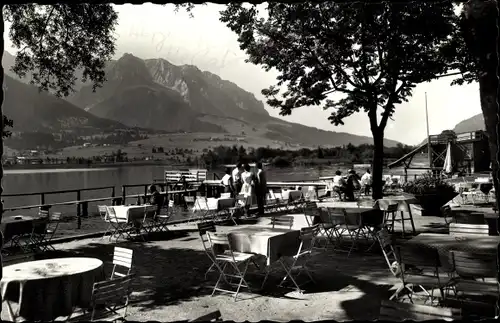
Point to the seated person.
(339, 183)
(156, 198)
(351, 185)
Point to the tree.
(473, 51)
(369, 54)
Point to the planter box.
(431, 203)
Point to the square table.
(134, 213)
(21, 225)
(265, 241)
(445, 243)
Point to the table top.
(131, 206)
(49, 268)
(446, 239)
(260, 230)
(18, 218)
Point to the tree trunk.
(378, 164)
(488, 93)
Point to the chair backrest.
(122, 257)
(55, 216)
(189, 199)
(418, 256)
(112, 293)
(43, 213)
(111, 214)
(102, 210)
(203, 227)
(334, 216)
(458, 229)
(241, 200)
(474, 265)
(385, 241)
(396, 311)
(16, 259)
(285, 221)
(214, 316)
(219, 243)
(307, 237)
(392, 208)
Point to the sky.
(153, 31)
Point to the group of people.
(242, 181)
(347, 185)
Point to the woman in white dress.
(246, 178)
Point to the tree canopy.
(370, 55)
(373, 54)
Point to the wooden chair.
(203, 228)
(237, 262)
(420, 267)
(214, 316)
(473, 269)
(304, 252)
(110, 297)
(51, 229)
(469, 229)
(282, 221)
(122, 259)
(385, 241)
(162, 217)
(398, 312)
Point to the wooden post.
(124, 194)
(78, 210)
(42, 199)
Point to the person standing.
(227, 182)
(366, 181)
(261, 188)
(237, 183)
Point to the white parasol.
(447, 167)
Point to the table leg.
(411, 220)
(403, 223)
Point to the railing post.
(78, 210)
(42, 199)
(124, 194)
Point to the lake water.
(45, 180)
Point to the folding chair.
(241, 203)
(425, 272)
(329, 221)
(110, 297)
(305, 251)
(311, 212)
(117, 226)
(35, 241)
(457, 229)
(224, 256)
(162, 218)
(473, 269)
(201, 205)
(203, 228)
(51, 229)
(282, 221)
(214, 316)
(122, 259)
(398, 312)
(385, 241)
(353, 225)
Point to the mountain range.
(472, 124)
(155, 94)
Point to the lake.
(40, 180)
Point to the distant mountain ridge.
(156, 94)
(472, 124)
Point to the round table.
(47, 289)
